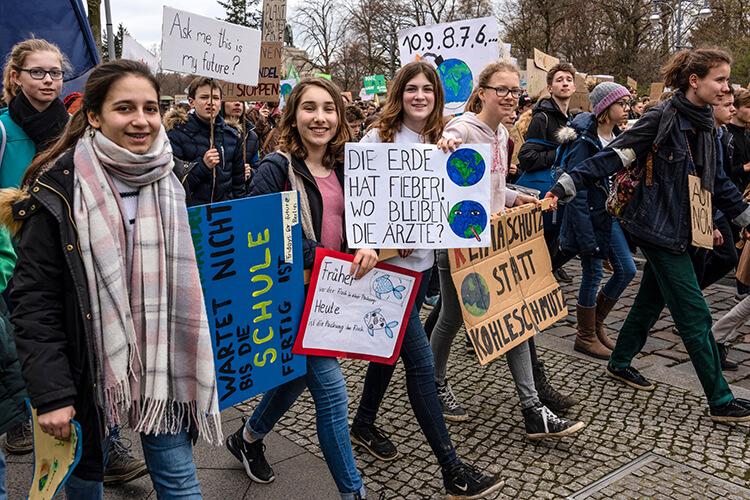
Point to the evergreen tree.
(119, 35)
(243, 12)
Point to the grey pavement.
(635, 445)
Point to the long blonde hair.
(474, 104)
(17, 57)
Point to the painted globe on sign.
(286, 89)
(467, 219)
(475, 294)
(465, 167)
(457, 79)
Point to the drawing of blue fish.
(374, 321)
(382, 286)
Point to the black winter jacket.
(273, 177)
(190, 141)
(538, 151)
(12, 386)
(740, 139)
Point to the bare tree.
(95, 21)
(322, 30)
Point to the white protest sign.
(285, 88)
(458, 50)
(346, 317)
(137, 52)
(416, 196)
(203, 46)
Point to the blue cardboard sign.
(249, 254)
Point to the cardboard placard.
(203, 46)
(701, 215)
(458, 50)
(543, 61)
(274, 20)
(416, 196)
(54, 459)
(580, 98)
(507, 292)
(252, 280)
(632, 84)
(350, 318)
(267, 89)
(656, 90)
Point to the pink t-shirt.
(331, 230)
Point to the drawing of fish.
(374, 321)
(382, 286)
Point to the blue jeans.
(416, 354)
(169, 458)
(623, 269)
(328, 389)
(3, 491)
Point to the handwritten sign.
(252, 279)
(267, 89)
(364, 318)
(507, 291)
(701, 215)
(54, 459)
(416, 196)
(375, 84)
(203, 46)
(543, 61)
(655, 91)
(274, 20)
(458, 50)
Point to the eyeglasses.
(502, 91)
(623, 103)
(40, 74)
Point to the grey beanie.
(606, 94)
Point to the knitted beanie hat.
(606, 94)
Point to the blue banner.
(249, 254)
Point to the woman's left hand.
(513, 169)
(405, 252)
(718, 238)
(364, 260)
(522, 199)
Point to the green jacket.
(19, 151)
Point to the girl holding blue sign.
(413, 114)
(310, 160)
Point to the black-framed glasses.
(623, 103)
(39, 73)
(502, 91)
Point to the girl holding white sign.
(310, 160)
(413, 114)
(495, 97)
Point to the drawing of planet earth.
(457, 80)
(286, 89)
(465, 167)
(467, 219)
(475, 295)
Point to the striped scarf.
(151, 339)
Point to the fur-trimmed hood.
(8, 198)
(174, 117)
(584, 124)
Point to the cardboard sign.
(274, 20)
(375, 84)
(701, 215)
(54, 459)
(203, 46)
(251, 273)
(267, 89)
(536, 73)
(580, 98)
(416, 196)
(137, 52)
(543, 61)
(656, 90)
(349, 318)
(632, 84)
(459, 51)
(507, 292)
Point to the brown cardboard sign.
(580, 98)
(632, 84)
(274, 21)
(701, 215)
(267, 89)
(657, 88)
(507, 291)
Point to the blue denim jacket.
(659, 214)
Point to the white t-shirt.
(606, 140)
(421, 259)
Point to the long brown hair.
(95, 93)
(392, 116)
(289, 138)
(474, 104)
(17, 57)
(698, 62)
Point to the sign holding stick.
(364, 318)
(251, 275)
(203, 46)
(458, 50)
(416, 196)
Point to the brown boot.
(586, 339)
(603, 306)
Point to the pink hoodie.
(472, 130)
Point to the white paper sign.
(203, 46)
(285, 88)
(361, 316)
(137, 52)
(416, 196)
(458, 50)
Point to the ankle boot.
(586, 339)
(603, 306)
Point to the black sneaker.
(630, 376)
(562, 276)
(465, 482)
(541, 423)
(373, 440)
(252, 457)
(548, 395)
(19, 440)
(737, 410)
(726, 364)
(122, 466)
(452, 410)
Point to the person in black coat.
(217, 173)
(234, 115)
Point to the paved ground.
(636, 445)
